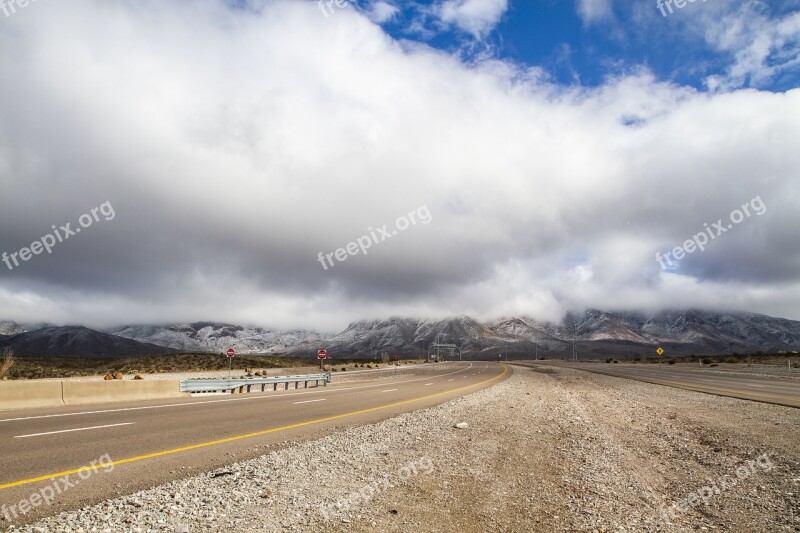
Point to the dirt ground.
(562, 450)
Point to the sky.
(304, 164)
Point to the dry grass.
(8, 362)
(29, 367)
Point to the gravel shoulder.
(549, 449)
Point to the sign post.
(230, 353)
(322, 355)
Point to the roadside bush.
(615, 361)
(713, 365)
(733, 359)
(344, 369)
(707, 361)
(671, 362)
(608, 360)
(7, 363)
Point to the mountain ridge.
(593, 332)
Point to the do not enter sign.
(322, 354)
(230, 352)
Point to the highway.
(157, 441)
(780, 391)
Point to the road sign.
(230, 352)
(659, 350)
(396, 357)
(322, 354)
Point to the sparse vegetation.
(7, 363)
(27, 367)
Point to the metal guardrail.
(216, 385)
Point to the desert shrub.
(7, 362)
(608, 360)
(671, 361)
(707, 361)
(713, 365)
(733, 359)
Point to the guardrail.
(216, 385)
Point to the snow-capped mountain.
(592, 333)
(218, 337)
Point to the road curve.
(154, 442)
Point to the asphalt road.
(154, 442)
(768, 389)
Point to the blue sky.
(584, 42)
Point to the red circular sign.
(230, 352)
(322, 354)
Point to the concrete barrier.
(87, 392)
(30, 394)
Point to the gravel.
(550, 449)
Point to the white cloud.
(592, 11)
(477, 17)
(763, 46)
(237, 145)
(380, 12)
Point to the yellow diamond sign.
(659, 350)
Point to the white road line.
(389, 390)
(309, 401)
(754, 385)
(428, 384)
(71, 430)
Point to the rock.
(119, 375)
(108, 377)
(137, 377)
(461, 425)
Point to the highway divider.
(35, 394)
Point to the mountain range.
(592, 333)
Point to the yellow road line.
(245, 436)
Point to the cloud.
(477, 17)
(593, 11)
(764, 46)
(235, 145)
(382, 12)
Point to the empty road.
(154, 442)
(780, 391)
